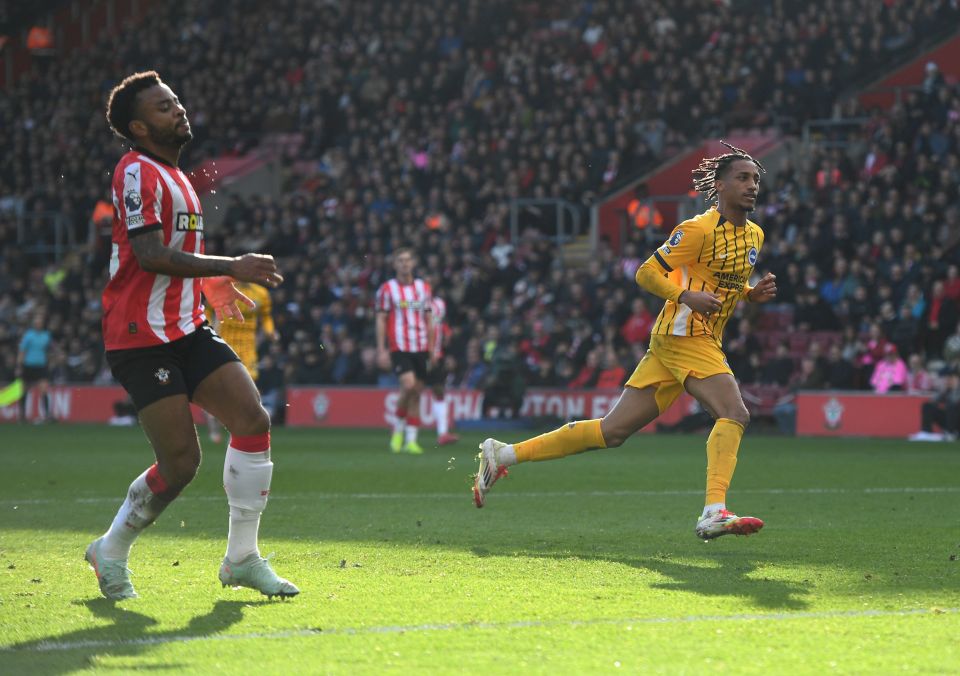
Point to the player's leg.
(441, 411)
(213, 428)
(649, 391)
(403, 369)
(154, 381)
(411, 368)
(230, 394)
(720, 396)
(43, 400)
(635, 409)
(412, 427)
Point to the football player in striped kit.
(161, 349)
(404, 336)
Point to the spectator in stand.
(838, 372)
(612, 374)
(943, 410)
(942, 315)
(890, 373)
(951, 347)
(741, 348)
(808, 377)
(589, 373)
(919, 380)
(637, 327)
(779, 370)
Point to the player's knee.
(614, 437)
(181, 468)
(740, 415)
(254, 421)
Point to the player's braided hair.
(121, 104)
(712, 168)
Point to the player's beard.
(170, 138)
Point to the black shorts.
(149, 374)
(33, 374)
(437, 375)
(410, 361)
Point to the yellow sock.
(575, 437)
(722, 446)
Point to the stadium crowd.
(417, 122)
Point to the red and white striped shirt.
(406, 306)
(141, 308)
(438, 316)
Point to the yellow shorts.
(671, 359)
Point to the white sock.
(410, 433)
(140, 508)
(506, 456)
(398, 424)
(246, 479)
(715, 507)
(441, 413)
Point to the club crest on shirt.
(132, 201)
(752, 256)
(675, 238)
(162, 375)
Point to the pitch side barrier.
(819, 413)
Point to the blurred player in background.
(701, 272)
(404, 336)
(437, 373)
(164, 353)
(242, 336)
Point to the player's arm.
(764, 291)
(681, 248)
(381, 326)
(153, 256)
(383, 356)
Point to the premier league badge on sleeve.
(132, 201)
(676, 237)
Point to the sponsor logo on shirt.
(187, 222)
(729, 280)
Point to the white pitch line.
(526, 494)
(49, 646)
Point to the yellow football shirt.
(706, 253)
(242, 336)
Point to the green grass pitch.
(582, 565)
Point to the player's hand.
(223, 298)
(703, 302)
(256, 268)
(765, 290)
(383, 359)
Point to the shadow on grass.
(128, 635)
(730, 578)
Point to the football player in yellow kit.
(701, 272)
(242, 336)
